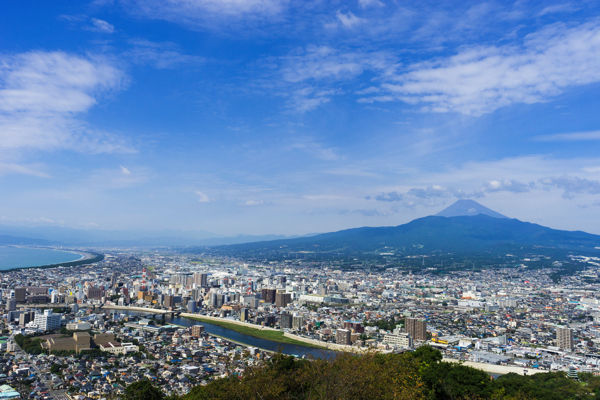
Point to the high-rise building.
(220, 300)
(197, 330)
(297, 321)
(342, 336)
(200, 279)
(244, 314)
(168, 301)
(191, 306)
(11, 305)
(564, 338)
(416, 328)
(268, 295)
(47, 321)
(26, 317)
(286, 321)
(20, 294)
(283, 299)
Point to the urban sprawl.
(89, 331)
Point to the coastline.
(86, 257)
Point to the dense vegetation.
(418, 375)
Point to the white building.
(399, 339)
(47, 321)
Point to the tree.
(143, 390)
(55, 368)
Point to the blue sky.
(273, 116)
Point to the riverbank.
(274, 335)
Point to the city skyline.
(268, 117)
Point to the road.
(56, 394)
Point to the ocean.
(22, 257)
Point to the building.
(168, 301)
(268, 295)
(20, 294)
(197, 330)
(201, 279)
(401, 339)
(564, 338)
(79, 341)
(244, 314)
(270, 320)
(94, 293)
(283, 299)
(286, 321)
(47, 321)
(192, 306)
(118, 348)
(416, 328)
(297, 322)
(26, 317)
(11, 305)
(342, 336)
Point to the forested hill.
(461, 233)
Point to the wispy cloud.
(6, 168)
(315, 149)
(207, 13)
(101, 26)
(349, 20)
(572, 184)
(558, 8)
(482, 79)
(164, 55)
(42, 95)
(202, 198)
(569, 137)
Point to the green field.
(267, 334)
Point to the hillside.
(462, 233)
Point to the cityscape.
(129, 308)
(299, 200)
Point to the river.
(290, 349)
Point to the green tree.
(143, 390)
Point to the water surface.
(23, 257)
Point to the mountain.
(6, 240)
(467, 207)
(56, 235)
(448, 234)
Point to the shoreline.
(86, 257)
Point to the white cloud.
(99, 25)
(7, 168)
(369, 3)
(569, 137)
(42, 96)
(202, 198)
(481, 80)
(558, 8)
(124, 170)
(315, 149)
(312, 74)
(207, 13)
(162, 55)
(349, 20)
